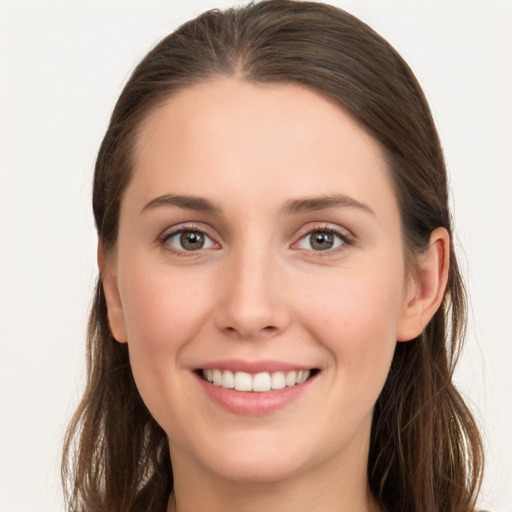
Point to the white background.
(62, 66)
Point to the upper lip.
(239, 365)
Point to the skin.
(258, 290)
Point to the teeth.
(278, 380)
(243, 381)
(301, 377)
(260, 382)
(291, 378)
(217, 377)
(228, 380)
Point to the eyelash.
(166, 237)
(345, 238)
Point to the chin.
(257, 469)
(251, 456)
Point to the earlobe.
(426, 288)
(115, 311)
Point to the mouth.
(261, 382)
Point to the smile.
(255, 388)
(259, 382)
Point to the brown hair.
(425, 451)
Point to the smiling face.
(259, 238)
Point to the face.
(259, 247)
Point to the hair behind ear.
(112, 438)
(425, 445)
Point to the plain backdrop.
(62, 66)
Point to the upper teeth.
(242, 381)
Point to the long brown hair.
(425, 450)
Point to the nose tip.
(250, 317)
(247, 331)
(252, 304)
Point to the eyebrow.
(182, 201)
(307, 204)
(310, 204)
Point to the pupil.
(322, 241)
(191, 240)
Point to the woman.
(271, 205)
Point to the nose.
(253, 301)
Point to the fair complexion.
(260, 233)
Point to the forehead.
(222, 105)
(246, 137)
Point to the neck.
(278, 499)
(329, 487)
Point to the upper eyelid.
(187, 226)
(323, 226)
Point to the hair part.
(425, 449)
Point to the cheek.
(162, 308)
(356, 318)
(356, 302)
(163, 312)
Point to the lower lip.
(253, 403)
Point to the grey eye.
(190, 240)
(320, 241)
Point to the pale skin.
(260, 172)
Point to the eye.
(321, 240)
(189, 240)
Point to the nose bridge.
(252, 304)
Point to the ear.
(115, 312)
(426, 287)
